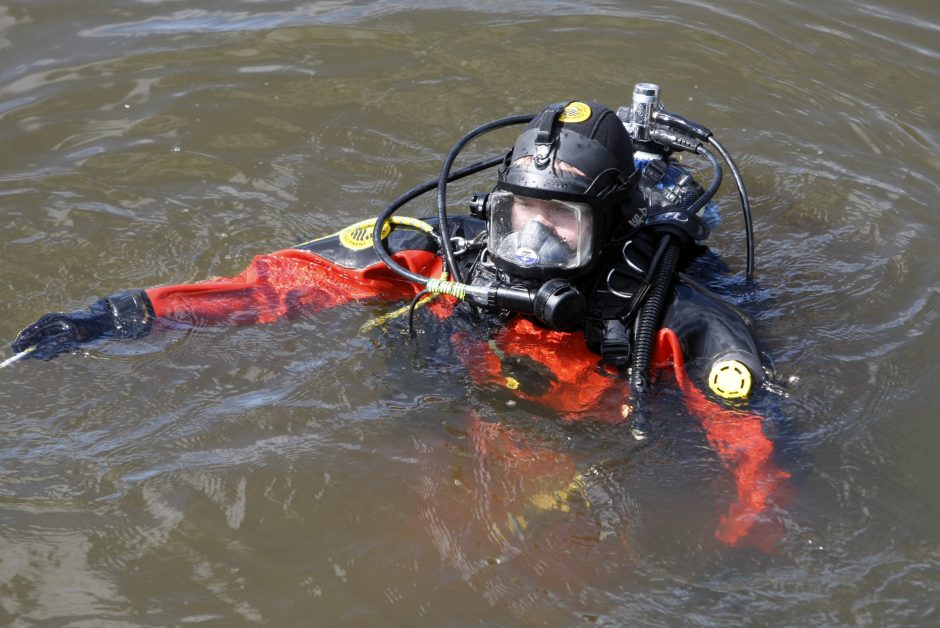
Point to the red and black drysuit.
(573, 373)
(556, 369)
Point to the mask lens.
(534, 233)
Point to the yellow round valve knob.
(730, 379)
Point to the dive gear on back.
(660, 131)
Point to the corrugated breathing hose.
(650, 318)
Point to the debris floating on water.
(16, 358)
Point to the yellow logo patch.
(575, 112)
(358, 237)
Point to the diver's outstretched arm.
(122, 315)
(290, 282)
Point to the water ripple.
(281, 473)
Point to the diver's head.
(563, 192)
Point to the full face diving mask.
(538, 237)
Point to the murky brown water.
(302, 473)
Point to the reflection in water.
(500, 507)
(302, 472)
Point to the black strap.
(616, 345)
(543, 141)
(640, 294)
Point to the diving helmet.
(564, 190)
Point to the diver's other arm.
(738, 437)
(121, 315)
(718, 339)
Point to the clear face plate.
(540, 234)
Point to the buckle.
(462, 245)
(541, 154)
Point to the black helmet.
(563, 191)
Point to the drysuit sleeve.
(296, 281)
(738, 438)
(282, 284)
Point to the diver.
(573, 265)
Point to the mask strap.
(543, 141)
(611, 187)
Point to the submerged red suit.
(560, 372)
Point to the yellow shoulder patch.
(359, 236)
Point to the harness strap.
(543, 140)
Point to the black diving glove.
(122, 315)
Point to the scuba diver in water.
(572, 267)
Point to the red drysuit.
(308, 279)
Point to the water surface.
(303, 472)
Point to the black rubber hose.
(716, 181)
(651, 316)
(411, 312)
(377, 242)
(745, 204)
(449, 258)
